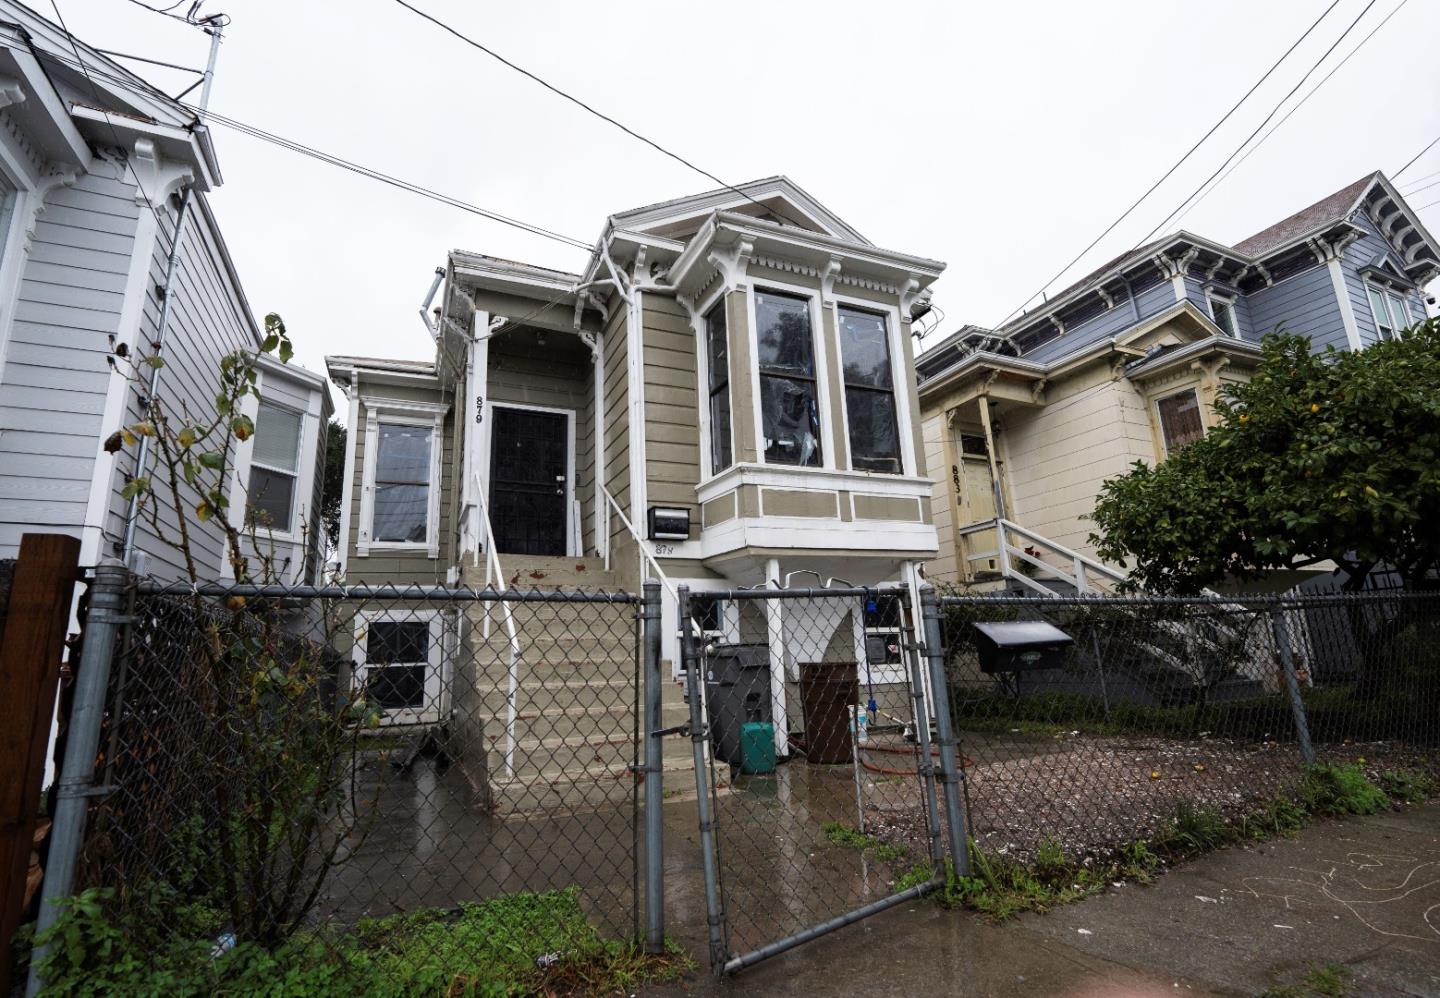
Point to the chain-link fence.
(1097, 734)
(423, 782)
(811, 709)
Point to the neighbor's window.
(397, 655)
(402, 484)
(1180, 422)
(869, 392)
(1384, 325)
(718, 361)
(274, 466)
(789, 406)
(1223, 312)
(1399, 314)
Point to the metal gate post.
(654, 776)
(950, 774)
(103, 620)
(921, 714)
(714, 908)
(1292, 684)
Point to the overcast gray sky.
(1000, 138)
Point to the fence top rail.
(1253, 601)
(761, 593)
(431, 594)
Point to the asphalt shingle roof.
(1329, 209)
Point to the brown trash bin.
(827, 692)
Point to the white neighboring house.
(98, 173)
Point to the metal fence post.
(921, 713)
(714, 910)
(74, 790)
(1292, 684)
(654, 776)
(950, 774)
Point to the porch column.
(775, 633)
(596, 342)
(473, 413)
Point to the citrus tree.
(1321, 457)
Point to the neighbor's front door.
(529, 479)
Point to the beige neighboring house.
(1024, 423)
(724, 395)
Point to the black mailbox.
(1020, 646)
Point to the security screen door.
(529, 479)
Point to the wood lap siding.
(56, 376)
(207, 320)
(617, 435)
(402, 568)
(1305, 304)
(672, 416)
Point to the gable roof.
(768, 192)
(1328, 209)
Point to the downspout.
(430, 297)
(142, 458)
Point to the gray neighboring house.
(1023, 423)
(97, 175)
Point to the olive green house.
(723, 396)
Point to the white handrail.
(1082, 568)
(512, 689)
(1064, 552)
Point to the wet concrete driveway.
(1364, 893)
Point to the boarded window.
(869, 392)
(402, 483)
(789, 408)
(717, 353)
(1180, 422)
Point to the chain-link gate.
(815, 763)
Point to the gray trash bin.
(737, 688)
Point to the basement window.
(1180, 422)
(869, 392)
(789, 405)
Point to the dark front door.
(528, 477)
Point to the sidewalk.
(1364, 893)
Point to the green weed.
(1340, 790)
(841, 834)
(1407, 785)
(1329, 981)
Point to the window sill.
(794, 477)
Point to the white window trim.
(438, 668)
(291, 532)
(822, 368)
(901, 397)
(702, 380)
(1211, 297)
(1160, 419)
(1387, 297)
(1403, 321)
(572, 526)
(395, 411)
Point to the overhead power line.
(1301, 82)
(303, 149)
(1428, 146)
(587, 107)
(1298, 105)
(1178, 163)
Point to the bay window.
(869, 391)
(401, 512)
(717, 353)
(1180, 421)
(789, 403)
(1391, 316)
(274, 469)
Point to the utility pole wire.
(292, 145)
(1301, 82)
(1430, 145)
(1298, 105)
(1178, 163)
(586, 107)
